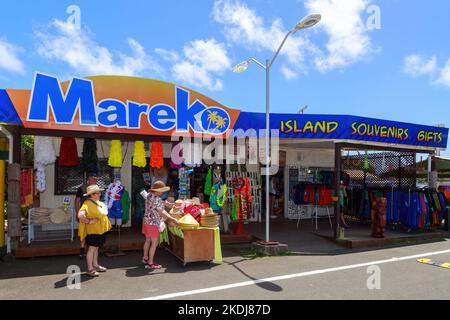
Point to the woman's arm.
(82, 215)
(163, 213)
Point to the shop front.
(132, 132)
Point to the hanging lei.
(221, 199)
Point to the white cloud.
(62, 41)
(417, 65)
(204, 60)
(9, 59)
(243, 26)
(288, 73)
(168, 55)
(349, 40)
(444, 76)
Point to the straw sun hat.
(92, 189)
(159, 186)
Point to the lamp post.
(306, 22)
(302, 110)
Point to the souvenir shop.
(125, 136)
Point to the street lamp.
(302, 110)
(306, 22)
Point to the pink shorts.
(150, 231)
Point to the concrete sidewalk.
(306, 240)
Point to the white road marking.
(290, 276)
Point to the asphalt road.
(341, 274)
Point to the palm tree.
(221, 122)
(212, 117)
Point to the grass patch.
(251, 253)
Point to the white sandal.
(92, 273)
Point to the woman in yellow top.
(94, 224)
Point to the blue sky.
(397, 70)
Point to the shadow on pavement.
(63, 283)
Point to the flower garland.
(115, 154)
(156, 157)
(139, 159)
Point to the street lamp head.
(307, 22)
(242, 67)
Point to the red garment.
(309, 194)
(68, 154)
(246, 198)
(325, 196)
(26, 187)
(194, 211)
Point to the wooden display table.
(197, 245)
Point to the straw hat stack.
(40, 216)
(195, 201)
(188, 222)
(209, 219)
(168, 205)
(175, 212)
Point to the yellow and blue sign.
(347, 128)
(131, 105)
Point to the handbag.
(161, 226)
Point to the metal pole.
(2, 207)
(267, 149)
(337, 186)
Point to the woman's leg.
(153, 247)
(95, 262)
(147, 247)
(90, 257)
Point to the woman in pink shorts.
(154, 213)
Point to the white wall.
(311, 157)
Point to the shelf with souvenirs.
(197, 237)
